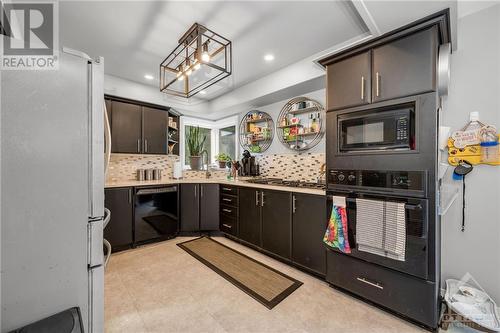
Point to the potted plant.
(195, 141)
(222, 158)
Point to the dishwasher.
(155, 214)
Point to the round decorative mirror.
(301, 123)
(256, 131)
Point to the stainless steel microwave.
(390, 128)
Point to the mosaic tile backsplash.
(303, 167)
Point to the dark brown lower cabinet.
(209, 207)
(249, 215)
(309, 222)
(199, 207)
(276, 222)
(190, 207)
(119, 229)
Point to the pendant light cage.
(201, 59)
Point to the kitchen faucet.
(207, 174)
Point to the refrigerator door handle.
(107, 217)
(96, 140)
(107, 138)
(95, 237)
(108, 252)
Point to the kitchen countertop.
(134, 183)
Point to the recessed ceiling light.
(269, 57)
(149, 77)
(203, 92)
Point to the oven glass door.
(376, 130)
(155, 214)
(416, 251)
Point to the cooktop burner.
(289, 183)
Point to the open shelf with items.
(256, 131)
(301, 124)
(173, 133)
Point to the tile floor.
(161, 288)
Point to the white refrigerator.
(52, 192)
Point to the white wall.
(274, 109)
(475, 86)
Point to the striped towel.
(381, 228)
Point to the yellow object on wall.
(471, 154)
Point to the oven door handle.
(407, 206)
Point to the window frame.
(214, 127)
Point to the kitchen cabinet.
(199, 207)
(119, 229)
(229, 210)
(276, 222)
(190, 207)
(249, 223)
(126, 128)
(155, 127)
(209, 207)
(406, 66)
(309, 222)
(142, 128)
(349, 82)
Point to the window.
(227, 141)
(221, 137)
(207, 133)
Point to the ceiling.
(135, 36)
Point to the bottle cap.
(474, 116)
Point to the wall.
(475, 86)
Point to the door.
(309, 223)
(190, 207)
(249, 219)
(126, 127)
(406, 66)
(155, 127)
(349, 82)
(209, 207)
(118, 232)
(276, 222)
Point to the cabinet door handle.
(262, 199)
(293, 203)
(362, 88)
(145, 146)
(138, 145)
(226, 199)
(226, 210)
(377, 84)
(226, 189)
(227, 226)
(130, 196)
(373, 284)
(256, 198)
(201, 190)
(195, 190)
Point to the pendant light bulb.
(197, 65)
(205, 56)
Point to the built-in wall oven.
(156, 213)
(407, 187)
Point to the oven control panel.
(398, 180)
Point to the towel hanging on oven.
(381, 228)
(336, 234)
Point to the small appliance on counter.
(248, 165)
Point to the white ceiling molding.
(366, 17)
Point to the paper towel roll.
(177, 170)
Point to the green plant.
(223, 157)
(195, 141)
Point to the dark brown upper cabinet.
(349, 82)
(155, 131)
(397, 64)
(406, 66)
(126, 128)
(141, 128)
